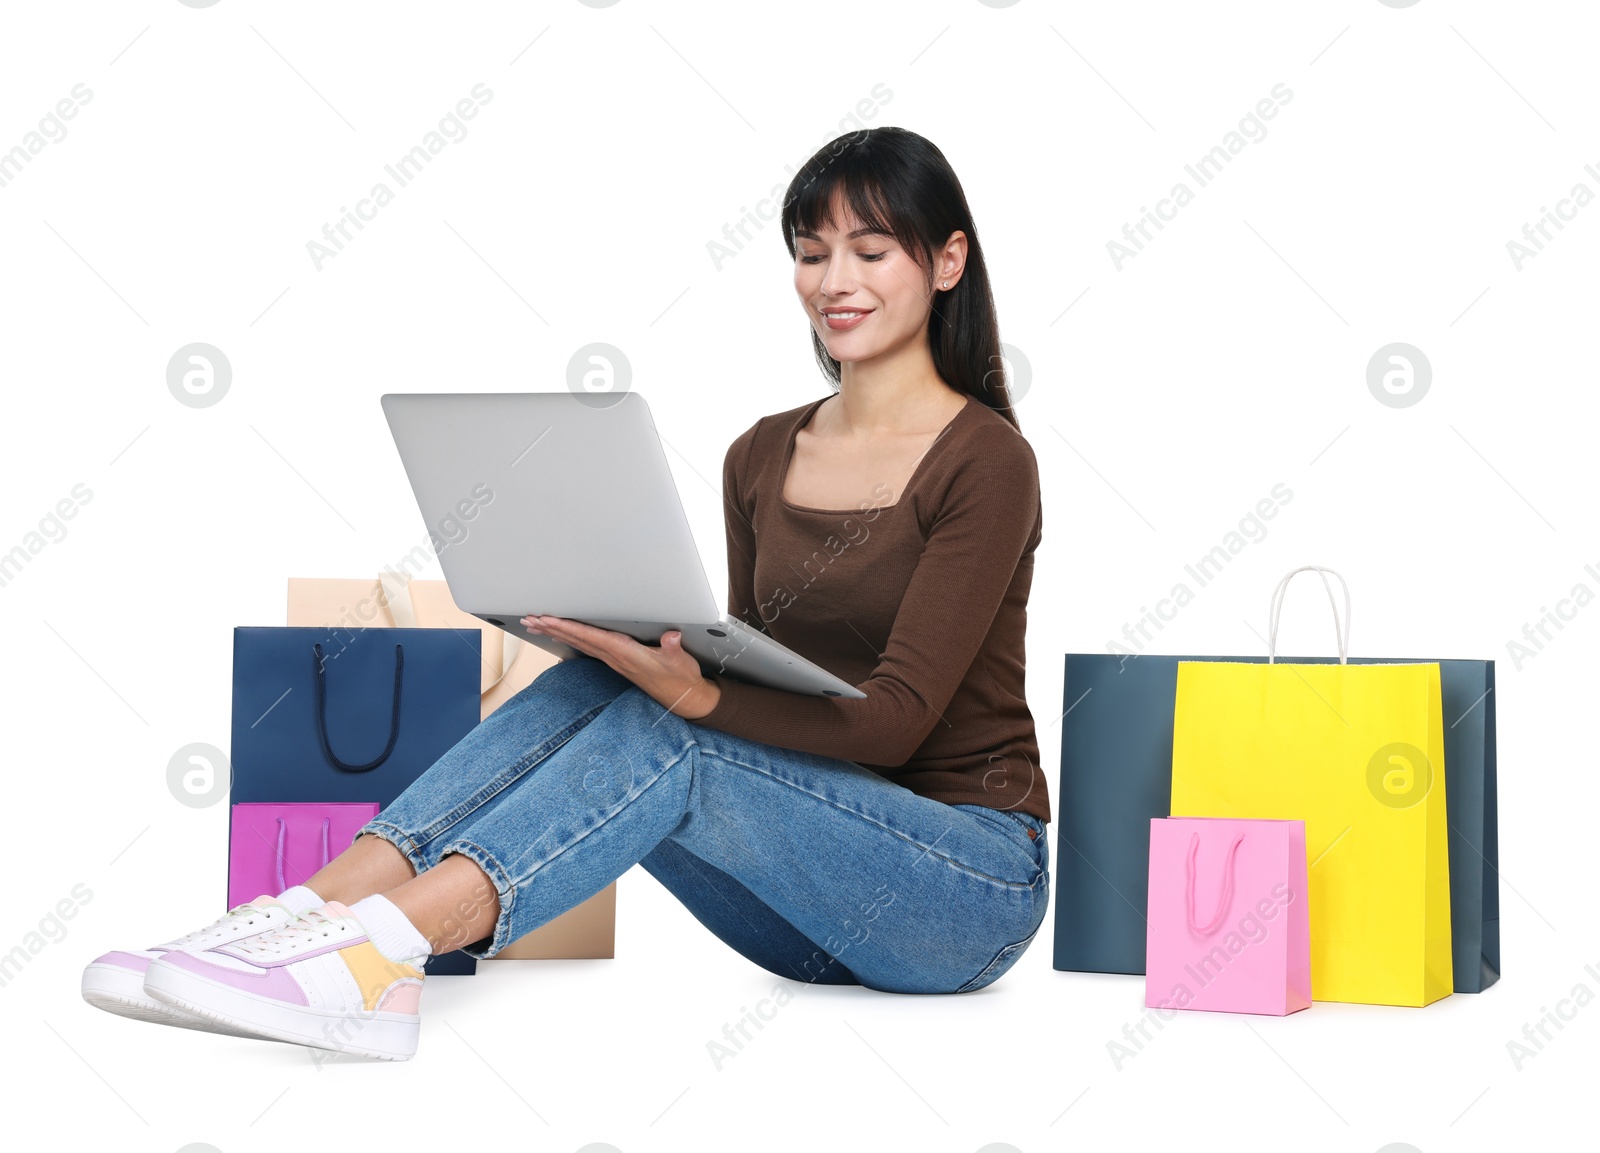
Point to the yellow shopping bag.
(1357, 753)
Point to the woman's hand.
(668, 675)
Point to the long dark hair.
(898, 181)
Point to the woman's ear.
(952, 260)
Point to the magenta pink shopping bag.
(273, 847)
(1228, 925)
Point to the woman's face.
(862, 292)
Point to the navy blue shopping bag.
(326, 714)
(1116, 774)
(330, 714)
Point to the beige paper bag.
(510, 665)
(393, 601)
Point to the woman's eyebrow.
(809, 235)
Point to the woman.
(895, 841)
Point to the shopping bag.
(325, 714)
(274, 847)
(587, 930)
(1471, 800)
(330, 714)
(1357, 753)
(394, 600)
(1228, 927)
(1116, 774)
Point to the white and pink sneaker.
(115, 981)
(318, 980)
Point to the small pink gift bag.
(1228, 924)
(274, 846)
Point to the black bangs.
(868, 188)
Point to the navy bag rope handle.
(322, 713)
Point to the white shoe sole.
(385, 1036)
(121, 991)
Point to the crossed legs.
(452, 904)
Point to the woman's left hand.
(668, 675)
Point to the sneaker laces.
(226, 921)
(305, 930)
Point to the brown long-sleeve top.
(922, 604)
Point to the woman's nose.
(837, 278)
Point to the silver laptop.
(563, 505)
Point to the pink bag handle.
(1227, 885)
(283, 836)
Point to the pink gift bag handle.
(1227, 886)
(279, 856)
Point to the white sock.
(387, 928)
(299, 899)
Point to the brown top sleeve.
(739, 520)
(985, 521)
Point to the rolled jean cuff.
(504, 890)
(401, 840)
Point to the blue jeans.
(814, 868)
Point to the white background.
(1165, 400)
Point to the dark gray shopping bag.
(1116, 774)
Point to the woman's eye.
(874, 256)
